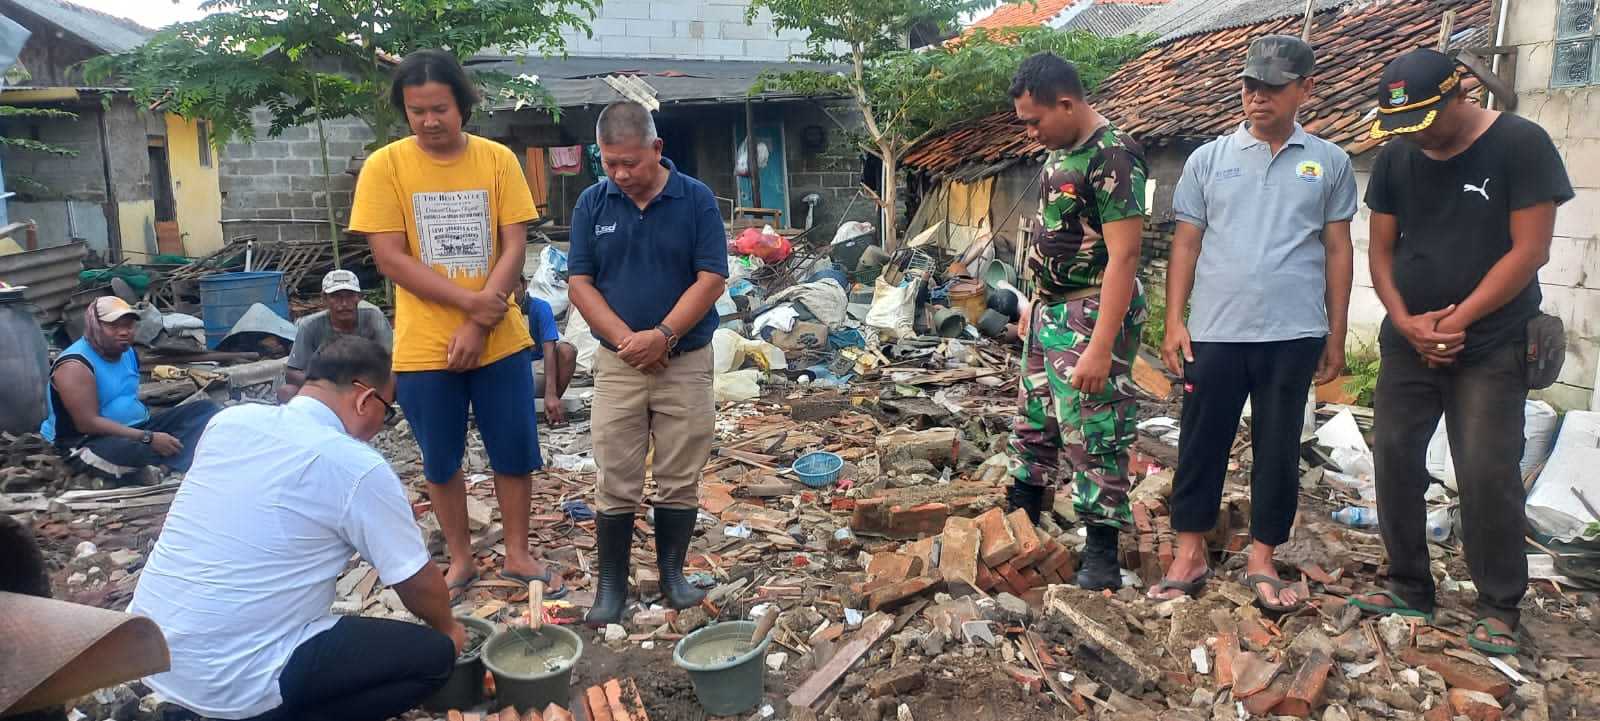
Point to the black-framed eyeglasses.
(390, 413)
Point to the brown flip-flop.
(1190, 588)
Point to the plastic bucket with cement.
(532, 669)
(728, 674)
(464, 689)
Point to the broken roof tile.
(1188, 88)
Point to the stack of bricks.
(1153, 552)
(991, 553)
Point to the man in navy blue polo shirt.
(648, 262)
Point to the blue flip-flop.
(548, 576)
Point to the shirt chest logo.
(1482, 190)
(600, 230)
(1230, 173)
(1309, 171)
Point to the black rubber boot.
(614, 539)
(1099, 570)
(674, 528)
(1028, 497)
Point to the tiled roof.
(1189, 88)
(1026, 13)
(1182, 18)
(108, 33)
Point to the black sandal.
(1254, 580)
(1190, 588)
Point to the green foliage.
(907, 95)
(1363, 367)
(22, 183)
(282, 53)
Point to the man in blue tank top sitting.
(95, 416)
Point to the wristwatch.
(672, 337)
(145, 439)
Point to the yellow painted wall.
(194, 188)
(136, 219)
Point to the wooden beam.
(1305, 27)
(1446, 29)
(872, 630)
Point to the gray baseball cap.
(1279, 60)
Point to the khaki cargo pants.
(674, 409)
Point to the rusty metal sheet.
(51, 275)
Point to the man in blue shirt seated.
(95, 416)
(558, 357)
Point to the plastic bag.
(765, 244)
(850, 231)
(1553, 507)
(737, 386)
(577, 333)
(549, 280)
(741, 164)
(1539, 423)
(730, 351)
(893, 308)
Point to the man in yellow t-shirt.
(445, 213)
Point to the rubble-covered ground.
(907, 592)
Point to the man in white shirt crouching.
(242, 579)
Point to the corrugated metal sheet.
(51, 275)
(109, 33)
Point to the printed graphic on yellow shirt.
(453, 231)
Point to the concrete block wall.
(691, 29)
(276, 179)
(833, 173)
(1571, 280)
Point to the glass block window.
(1576, 61)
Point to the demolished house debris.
(856, 501)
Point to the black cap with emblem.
(1279, 60)
(1412, 91)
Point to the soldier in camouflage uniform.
(1076, 402)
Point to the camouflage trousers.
(1056, 423)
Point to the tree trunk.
(891, 192)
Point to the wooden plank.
(872, 630)
(1119, 663)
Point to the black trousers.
(185, 422)
(363, 668)
(1276, 377)
(1482, 403)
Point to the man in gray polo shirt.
(1263, 243)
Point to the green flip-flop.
(1400, 607)
(1489, 646)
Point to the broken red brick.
(1267, 699)
(890, 566)
(1031, 680)
(896, 594)
(1057, 559)
(1032, 578)
(999, 544)
(1141, 518)
(1475, 705)
(1051, 576)
(1460, 674)
(1029, 548)
(1252, 674)
(1305, 691)
(958, 557)
(987, 579)
(896, 682)
(1164, 553)
(1013, 580)
(1315, 573)
(920, 520)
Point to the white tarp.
(1553, 508)
(1539, 423)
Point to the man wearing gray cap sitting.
(347, 314)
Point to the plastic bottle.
(1356, 517)
(1440, 524)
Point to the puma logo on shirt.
(1482, 190)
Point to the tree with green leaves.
(23, 183)
(321, 59)
(905, 95)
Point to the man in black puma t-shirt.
(1463, 204)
